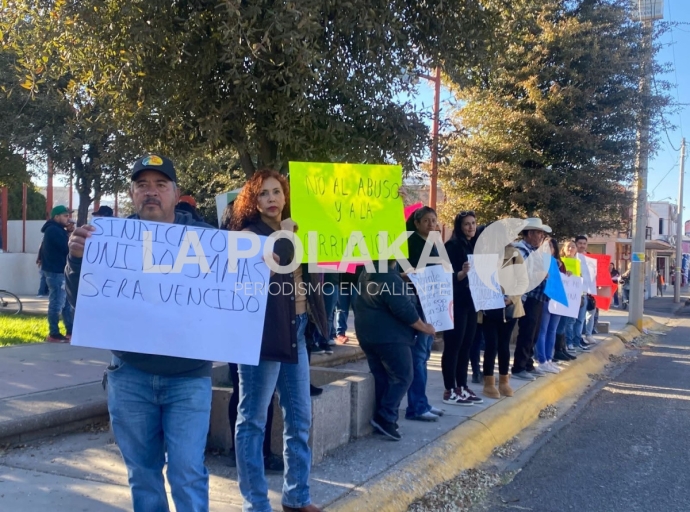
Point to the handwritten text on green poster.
(335, 200)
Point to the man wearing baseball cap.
(157, 404)
(53, 257)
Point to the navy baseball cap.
(103, 211)
(155, 163)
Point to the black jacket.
(279, 340)
(415, 246)
(385, 310)
(54, 248)
(458, 249)
(156, 365)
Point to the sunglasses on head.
(466, 213)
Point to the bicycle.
(10, 304)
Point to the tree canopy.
(308, 80)
(548, 127)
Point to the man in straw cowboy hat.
(533, 235)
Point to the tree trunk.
(247, 163)
(268, 154)
(83, 211)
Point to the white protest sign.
(135, 295)
(589, 274)
(435, 291)
(485, 298)
(573, 290)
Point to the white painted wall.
(19, 273)
(33, 235)
(664, 211)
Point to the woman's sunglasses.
(466, 213)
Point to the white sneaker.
(549, 367)
(591, 340)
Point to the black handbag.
(591, 303)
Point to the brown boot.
(504, 385)
(490, 390)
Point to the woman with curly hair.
(263, 208)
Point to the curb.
(65, 418)
(74, 416)
(472, 442)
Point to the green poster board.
(334, 200)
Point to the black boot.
(560, 343)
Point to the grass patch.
(18, 329)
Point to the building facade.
(660, 246)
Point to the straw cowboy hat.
(535, 224)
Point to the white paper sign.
(485, 298)
(573, 290)
(213, 316)
(435, 291)
(589, 274)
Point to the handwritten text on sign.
(435, 291)
(483, 297)
(338, 201)
(124, 304)
(573, 291)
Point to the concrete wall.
(19, 273)
(341, 413)
(33, 235)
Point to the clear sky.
(663, 176)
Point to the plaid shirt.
(538, 293)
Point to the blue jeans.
(546, 341)
(417, 402)
(330, 300)
(565, 327)
(579, 323)
(589, 324)
(43, 285)
(57, 303)
(151, 414)
(346, 297)
(342, 311)
(256, 390)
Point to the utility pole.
(433, 182)
(434, 143)
(679, 229)
(49, 188)
(648, 11)
(637, 274)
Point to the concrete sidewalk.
(49, 388)
(83, 470)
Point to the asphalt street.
(628, 449)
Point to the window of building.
(661, 226)
(596, 248)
